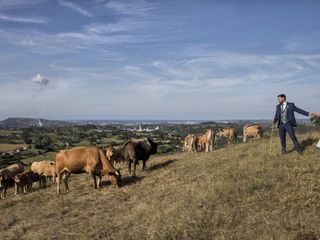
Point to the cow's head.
(109, 152)
(154, 146)
(115, 178)
(220, 133)
(17, 178)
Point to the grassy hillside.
(243, 191)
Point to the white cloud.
(14, 4)
(100, 28)
(131, 8)
(84, 38)
(28, 42)
(75, 7)
(22, 19)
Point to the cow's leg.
(16, 189)
(129, 166)
(44, 181)
(4, 191)
(53, 177)
(66, 176)
(134, 163)
(207, 147)
(144, 165)
(41, 182)
(99, 180)
(94, 180)
(58, 182)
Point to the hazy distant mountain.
(31, 122)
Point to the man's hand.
(314, 114)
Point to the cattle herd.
(205, 142)
(100, 162)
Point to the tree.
(43, 142)
(26, 136)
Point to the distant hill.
(31, 122)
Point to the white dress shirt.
(283, 105)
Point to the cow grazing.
(189, 144)
(254, 131)
(230, 134)
(85, 159)
(6, 176)
(205, 142)
(114, 154)
(23, 181)
(135, 150)
(45, 169)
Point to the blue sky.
(177, 59)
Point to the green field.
(46, 156)
(7, 132)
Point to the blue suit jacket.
(290, 114)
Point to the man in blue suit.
(286, 122)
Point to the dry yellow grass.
(243, 191)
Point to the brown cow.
(114, 154)
(205, 142)
(23, 181)
(135, 150)
(85, 159)
(254, 131)
(189, 144)
(45, 169)
(6, 176)
(228, 133)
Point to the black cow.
(135, 150)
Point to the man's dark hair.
(282, 96)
